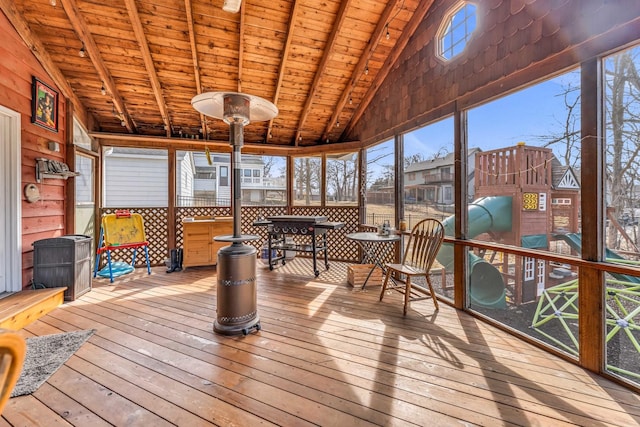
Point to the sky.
(525, 115)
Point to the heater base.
(243, 329)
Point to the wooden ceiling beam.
(381, 28)
(241, 45)
(143, 141)
(407, 33)
(36, 46)
(295, 9)
(80, 26)
(134, 17)
(196, 62)
(328, 51)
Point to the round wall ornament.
(31, 193)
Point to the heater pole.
(236, 138)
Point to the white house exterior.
(135, 177)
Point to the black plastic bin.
(63, 261)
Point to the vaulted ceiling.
(318, 61)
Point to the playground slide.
(574, 240)
(486, 285)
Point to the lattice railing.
(156, 228)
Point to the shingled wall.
(517, 42)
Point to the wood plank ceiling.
(319, 61)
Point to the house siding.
(134, 181)
(46, 217)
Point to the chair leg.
(407, 294)
(433, 294)
(384, 285)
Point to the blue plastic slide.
(486, 285)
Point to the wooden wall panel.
(45, 218)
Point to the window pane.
(622, 105)
(135, 177)
(526, 178)
(622, 296)
(203, 180)
(306, 180)
(84, 181)
(428, 166)
(457, 31)
(342, 179)
(380, 185)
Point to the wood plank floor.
(327, 355)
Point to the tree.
(307, 173)
(622, 103)
(342, 177)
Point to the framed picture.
(44, 105)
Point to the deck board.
(327, 354)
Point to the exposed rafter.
(80, 27)
(409, 29)
(148, 62)
(241, 46)
(38, 49)
(381, 28)
(295, 9)
(328, 51)
(307, 57)
(196, 63)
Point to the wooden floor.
(326, 355)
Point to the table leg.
(369, 255)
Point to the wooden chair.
(424, 243)
(12, 352)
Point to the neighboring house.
(138, 178)
(432, 181)
(185, 177)
(135, 177)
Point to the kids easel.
(121, 230)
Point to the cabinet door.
(197, 244)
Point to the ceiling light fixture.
(52, 2)
(103, 90)
(388, 36)
(366, 69)
(232, 6)
(82, 52)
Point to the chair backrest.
(424, 243)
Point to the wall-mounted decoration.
(44, 105)
(31, 193)
(47, 168)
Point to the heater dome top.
(233, 106)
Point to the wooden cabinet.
(199, 248)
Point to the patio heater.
(237, 311)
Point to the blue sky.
(525, 115)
